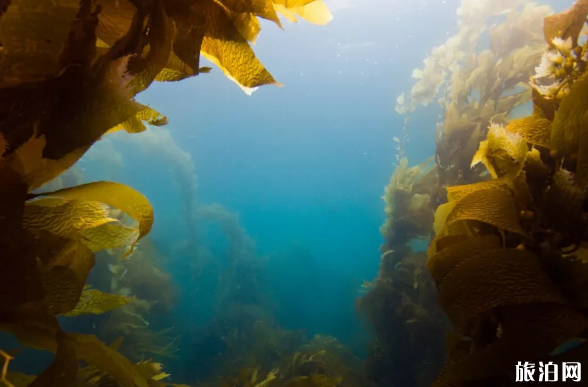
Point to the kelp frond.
(507, 256)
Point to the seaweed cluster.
(243, 333)
(400, 305)
(242, 277)
(142, 277)
(509, 255)
(243, 307)
(477, 84)
(321, 362)
(69, 72)
(509, 200)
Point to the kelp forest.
(484, 253)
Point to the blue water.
(304, 164)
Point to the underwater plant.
(162, 148)
(477, 84)
(400, 304)
(241, 278)
(143, 321)
(321, 362)
(509, 255)
(69, 72)
(480, 77)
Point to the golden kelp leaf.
(262, 8)
(446, 260)
(62, 288)
(458, 192)
(151, 116)
(94, 352)
(534, 130)
(314, 11)
(29, 162)
(503, 153)
(248, 26)
(135, 124)
(494, 206)
(93, 301)
(441, 215)
(493, 279)
(109, 235)
(567, 24)
(176, 70)
(64, 265)
(288, 14)
(116, 195)
(450, 240)
(254, 376)
(160, 376)
(32, 35)
(227, 48)
(77, 219)
(150, 370)
(270, 376)
(171, 75)
(77, 256)
(244, 10)
(569, 133)
(461, 227)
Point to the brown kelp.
(69, 72)
(475, 84)
(142, 278)
(244, 327)
(243, 309)
(508, 257)
(505, 239)
(321, 362)
(400, 305)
